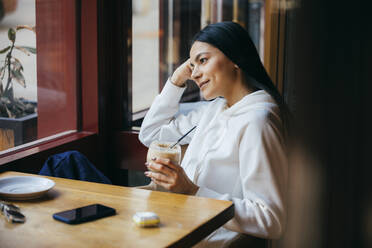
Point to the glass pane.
(56, 66)
(145, 53)
(18, 88)
(248, 13)
(44, 78)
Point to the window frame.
(188, 19)
(85, 116)
(274, 41)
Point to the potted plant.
(18, 118)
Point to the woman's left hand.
(170, 176)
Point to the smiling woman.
(211, 70)
(238, 149)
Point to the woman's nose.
(195, 73)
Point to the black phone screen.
(83, 214)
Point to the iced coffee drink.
(160, 149)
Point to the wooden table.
(185, 220)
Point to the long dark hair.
(234, 41)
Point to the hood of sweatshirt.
(257, 100)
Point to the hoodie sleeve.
(263, 176)
(160, 122)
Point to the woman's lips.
(203, 83)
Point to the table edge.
(207, 228)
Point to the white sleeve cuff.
(172, 92)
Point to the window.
(18, 88)
(158, 46)
(51, 75)
(65, 74)
(161, 35)
(145, 53)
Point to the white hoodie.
(235, 154)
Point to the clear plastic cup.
(161, 149)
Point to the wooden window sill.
(42, 145)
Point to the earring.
(236, 66)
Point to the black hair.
(234, 41)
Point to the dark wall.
(328, 87)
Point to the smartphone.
(84, 214)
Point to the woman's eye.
(203, 60)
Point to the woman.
(237, 152)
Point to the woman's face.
(212, 71)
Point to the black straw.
(178, 141)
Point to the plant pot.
(15, 132)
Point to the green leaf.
(30, 49)
(22, 50)
(10, 115)
(17, 66)
(5, 49)
(11, 35)
(2, 71)
(26, 49)
(18, 76)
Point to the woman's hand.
(181, 74)
(171, 177)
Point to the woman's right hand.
(182, 74)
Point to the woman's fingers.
(170, 176)
(182, 74)
(167, 162)
(160, 180)
(158, 176)
(160, 167)
(188, 66)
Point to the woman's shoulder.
(261, 116)
(258, 106)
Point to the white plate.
(24, 187)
